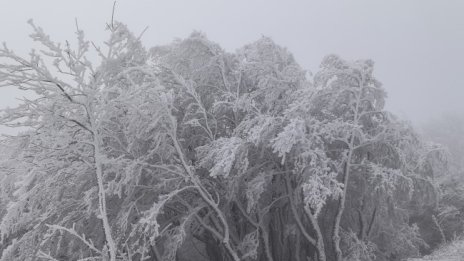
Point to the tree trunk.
(102, 203)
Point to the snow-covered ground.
(451, 252)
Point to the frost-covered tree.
(448, 130)
(339, 132)
(83, 143)
(188, 152)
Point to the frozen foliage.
(254, 190)
(357, 249)
(292, 134)
(187, 152)
(249, 245)
(219, 156)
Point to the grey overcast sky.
(418, 46)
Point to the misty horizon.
(417, 49)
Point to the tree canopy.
(188, 152)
